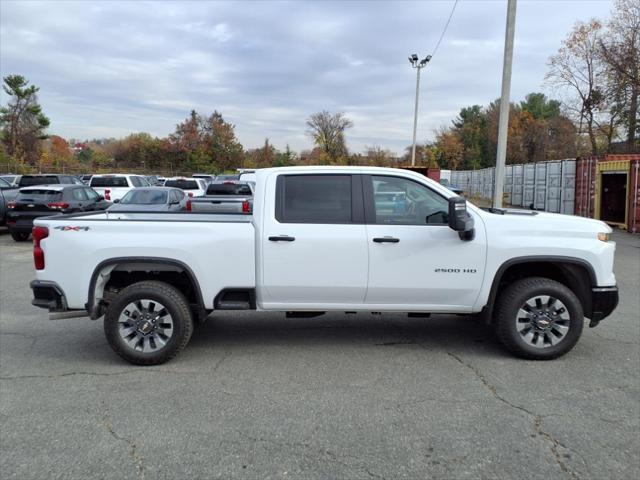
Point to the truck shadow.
(438, 332)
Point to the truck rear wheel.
(148, 323)
(539, 318)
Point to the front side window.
(400, 201)
(314, 199)
(91, 194)
(145, 197)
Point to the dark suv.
(46, 200)
(48, 179)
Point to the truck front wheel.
(539, 318)
(148, 323)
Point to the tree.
(451, 148)
(22, 121)
(620, 50)
(327, 131)
(377, 156)
(578, 66)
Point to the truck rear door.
(314, 245)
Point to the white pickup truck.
(328, 239)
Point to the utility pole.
(413, 60)
(503, 125)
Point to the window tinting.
(39, 196)
(314, 199)
(400, 201)
(182, 184)
(228, 189)
(28, 180)
(109, 182)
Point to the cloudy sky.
(107, 69)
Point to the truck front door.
(415, 260)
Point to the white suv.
(114, 186)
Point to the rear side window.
(28, 180)
(139, 182)
(109, 182)
(39, 196)
(314, 199)
(182, 184)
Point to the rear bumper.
(48, 295)
(604, 300)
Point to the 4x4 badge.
(67, 228)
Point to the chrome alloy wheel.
(543, 321)
(145, 325)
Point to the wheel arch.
(101, 277)
(575, 273)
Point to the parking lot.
(339, 396)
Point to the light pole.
(503, 122)
(413, 60)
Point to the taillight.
(246, 207)
(58, 205)
(38, 234)
(188, 208)
(11, 205)
(190, 194)
(107, 194)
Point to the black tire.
(173, 301)
(20, 236)
(515, 296)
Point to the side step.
(69, 314)
(233, 305)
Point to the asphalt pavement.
(360, 396)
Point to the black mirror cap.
(117, 200)
(459, 218)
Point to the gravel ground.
(339, 396)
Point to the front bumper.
(604, 300)
(48, 295)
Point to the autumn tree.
(327, 131)
(377, 156)
(620, 50)
(22, 121)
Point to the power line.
(445, 28)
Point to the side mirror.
(100, 198)
(174, 202)
(459, 219)
(117, 200)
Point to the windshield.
(145, 197)
(183, 184)
(39, 196)
(224, 178)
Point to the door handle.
(386, 240)
(282, 238)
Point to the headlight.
(604, 237)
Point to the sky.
(108, 69)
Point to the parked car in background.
(48, 179)
(7, 194)
(225, 198)
(152, 199)
(195, 187)
(160, 181)
(151, 179)
(228, 178)
(11, 179)
(86, 178)
(45, 200)
(204, 176)
(115, 186)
